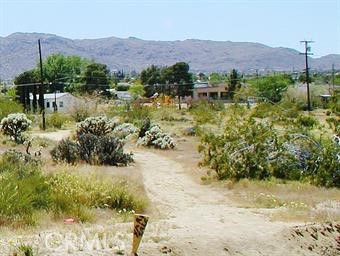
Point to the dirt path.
(196, 220)
(56, 136)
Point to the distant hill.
(19, 52)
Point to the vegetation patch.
(258, 150)
(152, 135)
(26, 191)
(97, 142)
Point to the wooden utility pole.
(333, 72)
(306, 53)
(41, 90)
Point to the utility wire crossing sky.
(277, 23)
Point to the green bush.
(25, 191)
(72, 191)
(135, 114)
(307, 121)
(145, 127)
(55, 120)
(8, 106)
(328, 171)
(256, 150)
(334, 124)
(204, 112)
(102, 150)
(66, 151)
(97, 142)
(80, 113)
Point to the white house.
(64, 102)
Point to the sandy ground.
(197, 220)
(186, 218)
(58, 135)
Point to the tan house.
(203, 90)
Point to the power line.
(307, 53)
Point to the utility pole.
(41, 90)
(306, 53)
(333, 72)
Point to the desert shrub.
(264, 109)
(204, 112)
(8, 106)
(241, 151)
(80, 112)
(124, 130)
(294, 99)
(99, 126)
(334, 124)
(256, 150)
(23, 162)
(135, 114)
(334, 104)
(26, 250)
(25, 191)
(328, 171)
(157, 138)
(14, 125)
(66, 151)
(307, 121)
(102, 150)
(96, 143)
(166, 115)
(55, 120)
(145, 127)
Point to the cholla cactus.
(157, 138)
(14, 124)
(124, 130)
(99, 126)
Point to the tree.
(179, 74)
(216, 78)
(271, 87)
(176, 78)
(27, 83)
(150, 77)
(303, 79)
(234, 83)
(60, 70)
(96, 78)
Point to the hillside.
(19, 52)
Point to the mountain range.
(19, 52)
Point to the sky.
(277, 23)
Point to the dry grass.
(292, 201)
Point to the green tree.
(61, 71)
(96, 78)
(216, 78)
(27, 83)
(271, 87)
(179, 74)
(150, 77)
(234, 83)
(303, 79)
